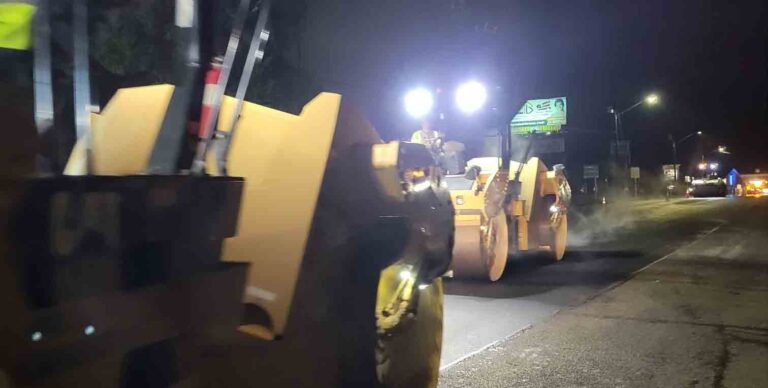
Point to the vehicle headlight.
(459, 200)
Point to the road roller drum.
(495, 217)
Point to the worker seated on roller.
(428, 136)
(449, 155)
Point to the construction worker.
(428, 136)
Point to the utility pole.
(674, 160)
(651, 99)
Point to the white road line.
(634, 273)
(606, 289)
(468, 355)
(707, 233)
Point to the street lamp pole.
(651, 100)
(674, 150)
(674, 160)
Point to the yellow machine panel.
(280, 193)
(281, 189)
(123, 135)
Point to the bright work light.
(419, 102)
(471, 96)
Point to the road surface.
(654, 293)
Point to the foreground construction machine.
(505, 209)
(312, 259)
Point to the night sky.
(706, 59)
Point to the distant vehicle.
(754, 185)
(712, 187)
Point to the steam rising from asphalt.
(598, 223)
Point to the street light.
(674, 149)
(418, 102)
(651, 99)
(471, 96)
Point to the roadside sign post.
(634, 173)
(592, 171)
(671, 171)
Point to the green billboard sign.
(540, 116)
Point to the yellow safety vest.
(423, 138)
(16, 25)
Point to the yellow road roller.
(504, 211)
(296, 250)
(346, 238)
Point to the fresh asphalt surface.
(607, 247)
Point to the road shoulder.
(696, 318)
